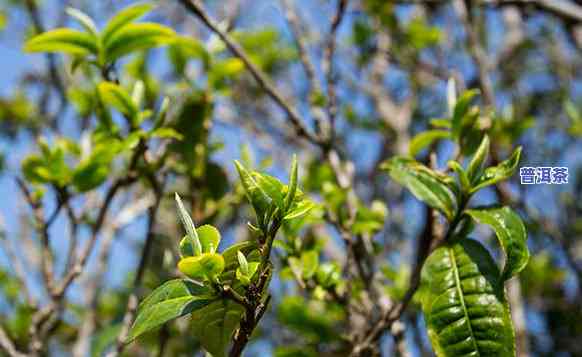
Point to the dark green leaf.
(89, 174)
(464, 303)
(511, 234)
(173, 299)
(214, 324)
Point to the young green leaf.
(464, 302)
(84, 20)
(188, 225)
(424, 183)
(451, 95)
(255, 194)
(173, 299)
(292, 185)
(328, 274)
(309, 263)
(494, 174)
(35, 170)
(124, 17)
(476, 164)
(232, 264)
(213, 325)
(63, 40)
(118, 98)
(461, 174)
(138, 92)
(272, 187)
(203, 266)
(424, 139)
(441, 123)
(461, 109)
(511, 234)
(209, 238)
(244, 265)
(162, 113)
(299, 209)
(136, 37)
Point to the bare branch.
(196, 8)
(328, 60)
(7, 344)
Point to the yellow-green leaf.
(124, 17)
(136, 37)
(63, 40)
(426, 138)
(203, 266)
(118, 98)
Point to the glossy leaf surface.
(173, 299)
(464, 303)
(425, 184)
(511, 234)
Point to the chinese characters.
(543, 175)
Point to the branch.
(314, 88)
(42, 228)
(7, 344)
(566, 10)
(132, 302)
(264, 82)
(328, 62)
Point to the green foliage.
(227, 281)
(511, 234)
(135, 141)
(313, 319)
(120, 37)
(173, 299)
(426, 138)
(500, 172)
(462, 290)
(464, 302)
(425, 184)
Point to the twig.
(42, 228)
(314, 85)
(132, 302)
(328, 61)
(196, 8)
(94, 283)
(7, 344)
